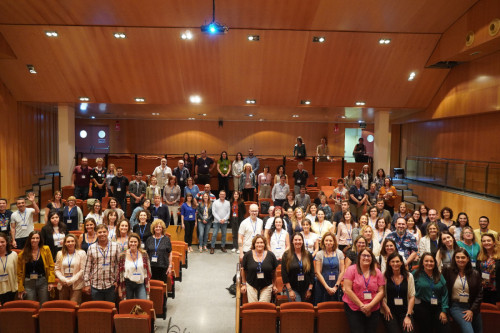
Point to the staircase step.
(397, 181)
(411, 198)
(401, 186)
(399, 192)
(410, 205)
(408, 192)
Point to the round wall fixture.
(469, 38)
(494, 27)
(83, 134)
(369, 138)
(102, 134)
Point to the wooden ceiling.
(278, 71)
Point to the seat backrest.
(488, 306)
(259, 321)
(296, 319)
(297, 305)
(60, 304)
(127, 305)
(157, 295)
(22, 304)
(329, 317)
(330, 305)
(97, 305)
(491, 320)
(156, 283)
(16, 320)
(92, 320)
(132, 323)
(258, 306)
(57, 320)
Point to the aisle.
(202, 303)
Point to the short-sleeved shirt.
(204, 165)
(300, 177)
(98, 175)
(5, 221)
(120, 186)
(23, 222)
(406, 244)
(358, 194)
(251, 267)
(82, 176)
(249, 229)
(360, 285)
(223, 165)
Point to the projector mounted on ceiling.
(214, 28)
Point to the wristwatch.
(409, 315)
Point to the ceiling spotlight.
(187, 35)
(84, 99)
(120, 35)
(305, 102)
(92, 117)
(195, 99)
(412, 76)
(295, 116)
(251, 101)
(190, 118)
(360, 103)
(31, 69)
(155, 114)
(249, 115)
(253, 38)
(140, 100)
(204, 114)
(343, 117)
(384, 41)
(51, 33)
(318, 39)
(261, 119)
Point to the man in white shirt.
(280, 191)
(162, 172)
(21, 221)
(221, 210)
(249, 228)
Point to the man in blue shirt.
(253, 160)
(405, 241)
(4, 217)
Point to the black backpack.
(264, 207)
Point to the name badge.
(485, 276)
(205, 166)
(142, 245)
(398, 301)
(99, 175)
(57, 243)
(24, 227)
(67, 271)
(331, 277)
(434, 300)
(473, 263)
(155, 217)
(136, 277)
(33, 276)
(278, 248)
(105, 264)
(83, 176)
(4, 277)
(119, 189)
(235, 215)
(4, 228)
(260, 275)
(463, 298)
(300, 277)
(69, 221)
(360, 197)
(154, 259)
(367, 295)
(298, 181)
(181, 179)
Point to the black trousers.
(359, 322)
(188, 231)
(248, 194)
(159, 273)
(427, 317)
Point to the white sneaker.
(233, 250)
(238, 251)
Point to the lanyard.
(69, 212)
(259, 261)
(254, 228)
(398, 286)
(136, 262)
(122, 244)
(300, 264)
(380, 239)
(471, 252)
(322, 224)
(463, 282)
(24, 218)
(70, 261)
(157, 244)
(367, 283)
(278, 238)
(431, 282)
(142, 231)
(5, 265)
(349, 233)
(435, 242)
(104, 254)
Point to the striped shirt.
(102, 266)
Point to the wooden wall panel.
(474, 207)
(28, 137)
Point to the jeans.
(37, 290)
(188, 232)
(123, 205)
(359, 322)
(82, 192)
(223, 227)
(135, 290)
(108, 295)
(297, 296)
(203, 230)
(476, 326)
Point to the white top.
(344, 233)
(162, 175)
(379, 236)
(322, 229)
(23, 222)
(221, 210)
(8, 276)
(278, 243)
(70, 268)
(310, 241)
(237, 168)
(134, 270)
(97, 217)
(249, 229)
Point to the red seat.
(491, 320)
(331, 317)
(488, 306)
(19, 316)
(96, 315)
(125, 323)
(58, 316)
(158, 294)
(297, 317)
(258, 317)
(125, 307)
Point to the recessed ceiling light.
(261, 119)
(155, 114)
(190, 118)
(187, 35)
(343, 117)
(384, 41)
(92, 117)
(251, 101)
(475, 53)
(31, 69)
(51, 33)
(84, 99)
(412, 76)
(359, 103)
(249, 115)
(140, 99)
(120, 35)
(295, 116)
(253, 38)
(195, 99)
(318, 39)
(305, 102)
(360, 121)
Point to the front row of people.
(426, 297)
(106, 270)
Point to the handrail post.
(342, 169)
(446, 174)
(465, 176)
(486, 179)
(135, 163)
(106, 158)
(284, 161)
(314, 167)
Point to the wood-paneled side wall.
(435, 198)
(28, 137)
(474, 137)
(267, 138)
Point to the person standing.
(153, 189)
(484, 223)
(322, 151)
(303, 199)
(488, 263)
(101, 267)
(223, 171)
(80, 179)
(221, 211)
(300, 175)
(53, 233)
(72, 215)
(329, 269)
(162, 172)
(238, 211)
(137, 191)
(119, 185)
(249, 228)
(5, 217)
(248, 182)
(279, 192)
(203, 167)
(237, 169)
(252, 160)
(406, 243)
(299, 150)
(204, 218)
(21, 223)
(182, 174)
(172, 196)
(134, 271)
(8, 276)
(206, 190)
(359, 151)
(98, 179)
(188, 219)
(109, 176)
(264, 181)
(159, 250)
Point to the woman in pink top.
(264, 180)
(363, 292)
(344, 231)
